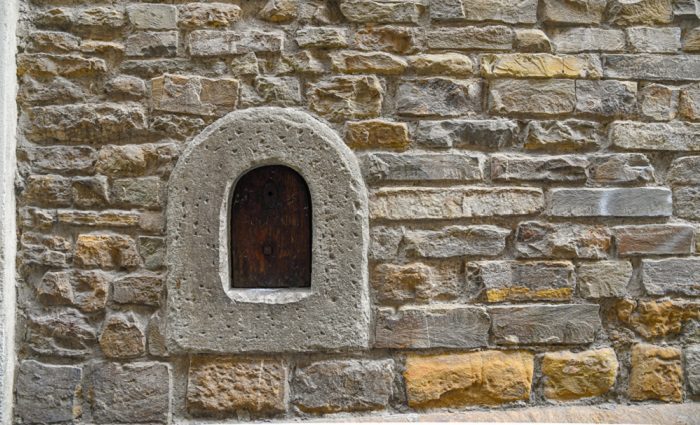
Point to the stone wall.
(534, 193)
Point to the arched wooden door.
(271, 230)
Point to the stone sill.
(668, 414)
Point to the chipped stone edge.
(9, 15)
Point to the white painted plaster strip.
(9, 12)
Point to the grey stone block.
(47, 393)
(633, 202)
(671, 276)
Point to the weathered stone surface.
(620, 169)
(126, 85)
(568, 135)
(633, 202)
(152, 16)
(545, 324)
(52, 42)
(589, 40)
(455, 241)
(691, 40)
(573, 12)
(36, 218)
(194, 95)
(109, 218)
(64, 332)
(542, 240)
(689, 105)
(685, 170)
(654, 239)
(140, 288)
(671, 276)
(46, 65)
(674, 136)
(532, 41)
(515, 167)
(654, 319)
(85, 123)
(570, 376)
(545, 97)
(541, 65)
(442, 64)
(658, 102)
(145, 192)
(456, 380)
(686, 201)
(431, 327)
(57, 90)
(417, 283)
(692, 367)
(197, 15)
(522, 281)
(654, 40)
(152, 250)
(48, 190)
(641, 12)
(152, 43)
(354, 62)
(341, 98)
(388, 38)
(373, 134)
(122, 337)
(99, 22)
(382, 11)
(107, 251)
(47, 393)
(459, 133)
(607, 98)
(438, 96)
(603, 279)
(343, 386)
(90, 192)
(471, 38)
(46, 250)
(322, 37)
(521, 12)
(208, 43)
(129, 393)
(444, 203)
(136, 160)
(384, 242)
(155, 335)
(382, 167)
(219, 385)
(279, 10)
(279, 91)
(656, 373)
(652, 67)
(86, 290)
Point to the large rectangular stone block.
(385, 167)
(675, 136)
(495, 37)
(652, 67)
(671, 276)
(47, 393)
(589, 40)
(654, 239)
(460, 133)
(194, 95)
(509, 11)
(514, 167)
(559, 240)
(632, 202)
(438, 97)
(544, 97)
(541, 65)
(455, 241)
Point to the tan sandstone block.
(653, 319)
(377, 134)
(656, 373)
(577, 375)
(350, 62)
(220, 385)
(194, 95)
(541, 65)
(442, 64)
(480, 378)
(106, 251)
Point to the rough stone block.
(691, 40)
(45, 250)
(199, 15)
(152, 250)
(348, 97)
(384, 167)
(542, 240)
(122, 336)
(432, 327)
(354, 62)
(377, 134)
(126, 85)
(575, 40)
(219, 385)
(658, 102)
(522, 281)
(194, 95)
(692, 367)
(457, 380)
(152, 43)
(136, 160)
(208, 43)
(456, 241)
(654, 239)
(99, 22)
(603, 279)
(72, 66)
(545, 324)
(279, 11)
(106, 251)
(90, 192)
(417, 283)
(343, 386)
(565, 135)
(686, 201)
(52, 42)
(438, 96)
(545, 97)
(322, 37)
(450, 203)
(60, 332)
(459, 133)
(621, 168)
(573, 12)
(48, 190)
(382, 11)
(671, 276)
(675, 136)
(495, 37)
(532, 41)
(520, 12)
(652, 67)
(655, 319)
(384, 242)
(541, 65)
(633, 202)
(152, 16)
(654, 40)
(571, 376)
(138, 288)
(685, 171)
(129, 393)
(640, 12)
(47, 393)
(86, 290)
(515, 167)
(689, 105)
(656, 373)
(607, 98)
(442, 64)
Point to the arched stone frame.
(203, 313)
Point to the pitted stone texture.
(653, 319)
(522, 281)
(334, 313)
(131, 393)
(47, 393)
(432, 327)
(480, 378)
(570, 376)
(656, 373)
(545, 324)
(219, 385)
(343, 386)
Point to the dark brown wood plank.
(271, 229)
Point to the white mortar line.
(9, 12)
